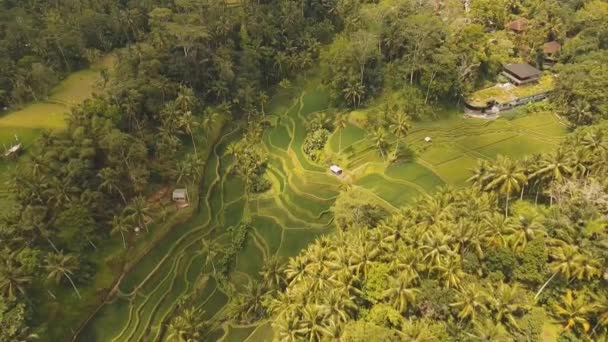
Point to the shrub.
(314, 143)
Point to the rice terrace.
(297, 208)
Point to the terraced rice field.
(294, 212)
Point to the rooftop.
(522, 70)
(552, 47)
(180, 192)
(503, 93)
(518, 25)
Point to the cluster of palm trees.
(584, 154)
(330, 284)
(397, 124)
(137, 214)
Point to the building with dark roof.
(518, 25)
(521, 73)
(551, 51)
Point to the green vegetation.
(501, 94)
(439, 228)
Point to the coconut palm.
(569, 262)
(186, 100)
(296, 269)
(401, 292)
(417, 331)
(378, 138)
(579, 160)
(507, 177)
(601, 309)
(312, 322)
(400, 126)
(187, 326)
(480, 173)
(449, 271)
(555, 167)
(12, 280)
(121, 224)
(338, 305)
(523, 230)
(573, 311)
(595, 141)
(188, 122)
(340, 123)
(497, 226)
(471, 301)
(139, 211)
(487, 331)
(354, 92)
(61, 265)
(110, 181)
(289, 328)
(509, 302)
(272, 273)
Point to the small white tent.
(335, 169)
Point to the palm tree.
(579, 159)
(189, 123)
(569, 262)
(121, 224)
(488, 331)
(525, 229)
(401, 293)
(110, 181)
(602, 311)
(573, 311)
(354, 92)
(272, 273)
(471, 301)
(12, 280)
(139, 210)
(378, 138)
(210, 118)
(506, 177)
(400, 126)
(312, 322)
(188, 326)
(555, 167)
(186, 100)
(449, 271)
(509, 302)
(61, 265)
(339, 305)
(210, 251)
(417, 331)
(289, 328)
(296, 269)
(340, 123)
(480, 173)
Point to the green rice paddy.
(296, 209)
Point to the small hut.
(428, 139)
(521, 73)
(180, 196)
(518, 25)
(336, 170)
(551, 51)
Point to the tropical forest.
(303, 170)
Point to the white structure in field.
(428, 139)
(336, 170)
(180, 195)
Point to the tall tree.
(61, 265)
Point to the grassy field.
(296, 210)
